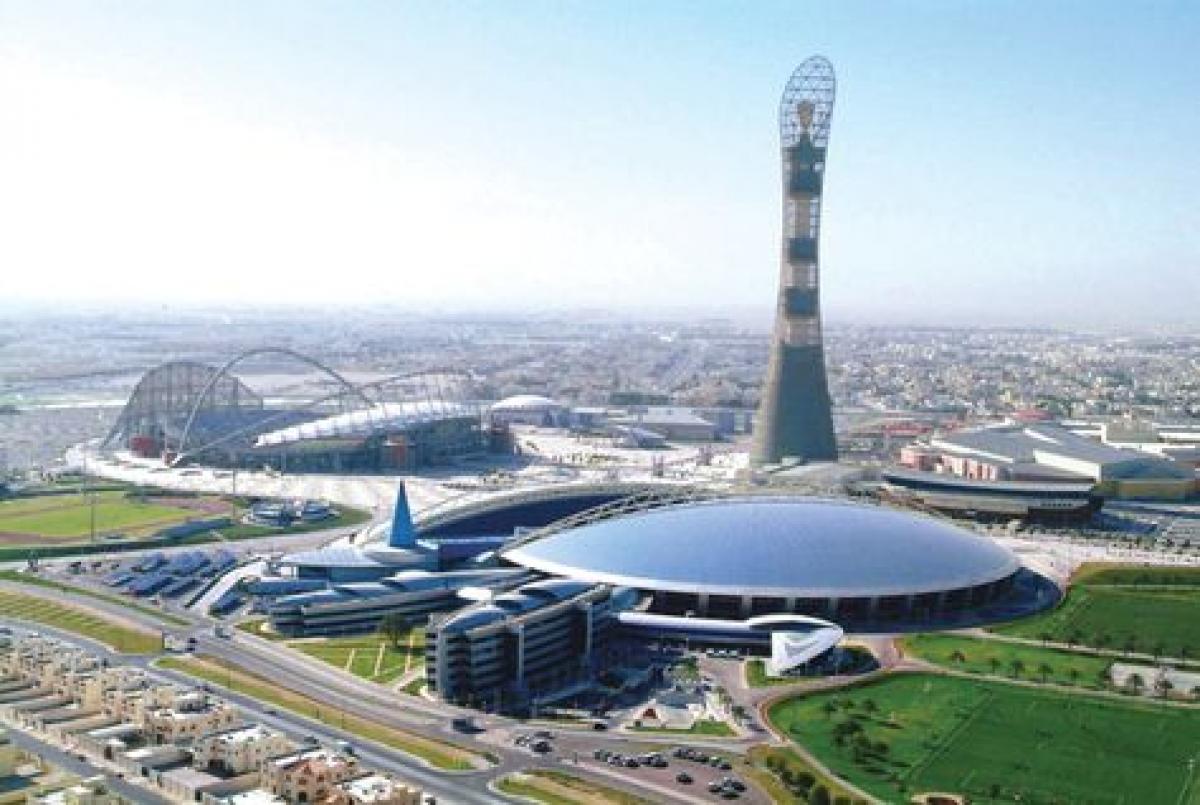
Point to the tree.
(1135, 683)
(1129, 645)
(819, 796)
(829, 708)
(1044, 671)
(1074, 638)
(1045, 637)
(1073, 672)
(393, 626)
(870, 706)
(1017, 666)
(1164, 686)
(957, 657)
(1157, 649)
(994, 662)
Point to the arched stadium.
(191, 412)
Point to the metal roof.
(382, 418)
(771, 546)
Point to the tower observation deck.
(794, 419)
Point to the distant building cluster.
(1046, 453)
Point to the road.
(353, 696)
(71, 763)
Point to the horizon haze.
(1008, 164)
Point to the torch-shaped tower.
(794, 418)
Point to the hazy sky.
(990, 161)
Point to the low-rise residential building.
(239, 750)
(376, 789)
(91, 791)
(308, 776)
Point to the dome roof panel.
(801, 547)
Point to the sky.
(1007, 163)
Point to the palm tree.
(1164, 687)
(1157, 649)
(1073, 672)
(994, 662)
(1135, 683)
(1044, 670)
(830, 708)
(1017, 665)
(957, 657)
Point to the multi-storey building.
(520, 645)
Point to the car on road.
(683, 777)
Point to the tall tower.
(794, 418)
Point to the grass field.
(703, 726)
(979, 656)
(440, 754)
(370, 656)
(59, 518)
(559, 788)
(1153, 611)
(998, 742)
(77, 620)
(756, 676)
(786, 777)
(27, 578)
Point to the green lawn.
(78, 620)
(996, 742)
(66, 517)
(365, 649)
(703, 726)
(560, 788)
(756, 676)
(29, 578)
(441, 754)
(980, 656)
(1165, 619)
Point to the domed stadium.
(747, 556)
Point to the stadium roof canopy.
(526, 402)
(771, 546)
(385, 417)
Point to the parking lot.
(692, 772)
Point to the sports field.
(998, 742)
(1112, 609)
(1014, 660)
(65, 518)
(370, 656)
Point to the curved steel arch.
(150, 381)
(358, 389)
(223, 371)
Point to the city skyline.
(571, 158)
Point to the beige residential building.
(190, 716)
(306, 777)
(92, 791)
(239, 750)
(375, 789)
